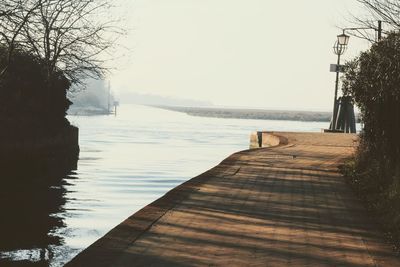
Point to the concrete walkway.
(281, 206)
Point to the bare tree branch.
(67, 34)
(387, 11)
(15, 16)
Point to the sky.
(234, 53)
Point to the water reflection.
(31, 199)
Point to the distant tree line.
(253, 114)
(45, 47)
(373, 81)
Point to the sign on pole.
(336, 68)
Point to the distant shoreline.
(87, 111)
(252, 114)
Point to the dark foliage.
(373, 81)
(31, 103)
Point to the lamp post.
(338, 123)
(339, 48)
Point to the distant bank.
(255, 114)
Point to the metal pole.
(379, 30)
(334, 115)
(108, 98)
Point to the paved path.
(282, 206)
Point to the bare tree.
(386, 11)
(68, 35)
(14, 15)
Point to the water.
(125, 163)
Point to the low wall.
(271, 138)
(266, 139)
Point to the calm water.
(125, 163)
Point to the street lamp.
(343, 39)
(339, 48)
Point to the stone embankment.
(285, 205)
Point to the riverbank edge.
(252, 114)
(105, 250)
(108, 247)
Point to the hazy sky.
(241, 53)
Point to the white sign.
(337, 68)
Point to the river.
(126, 162)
